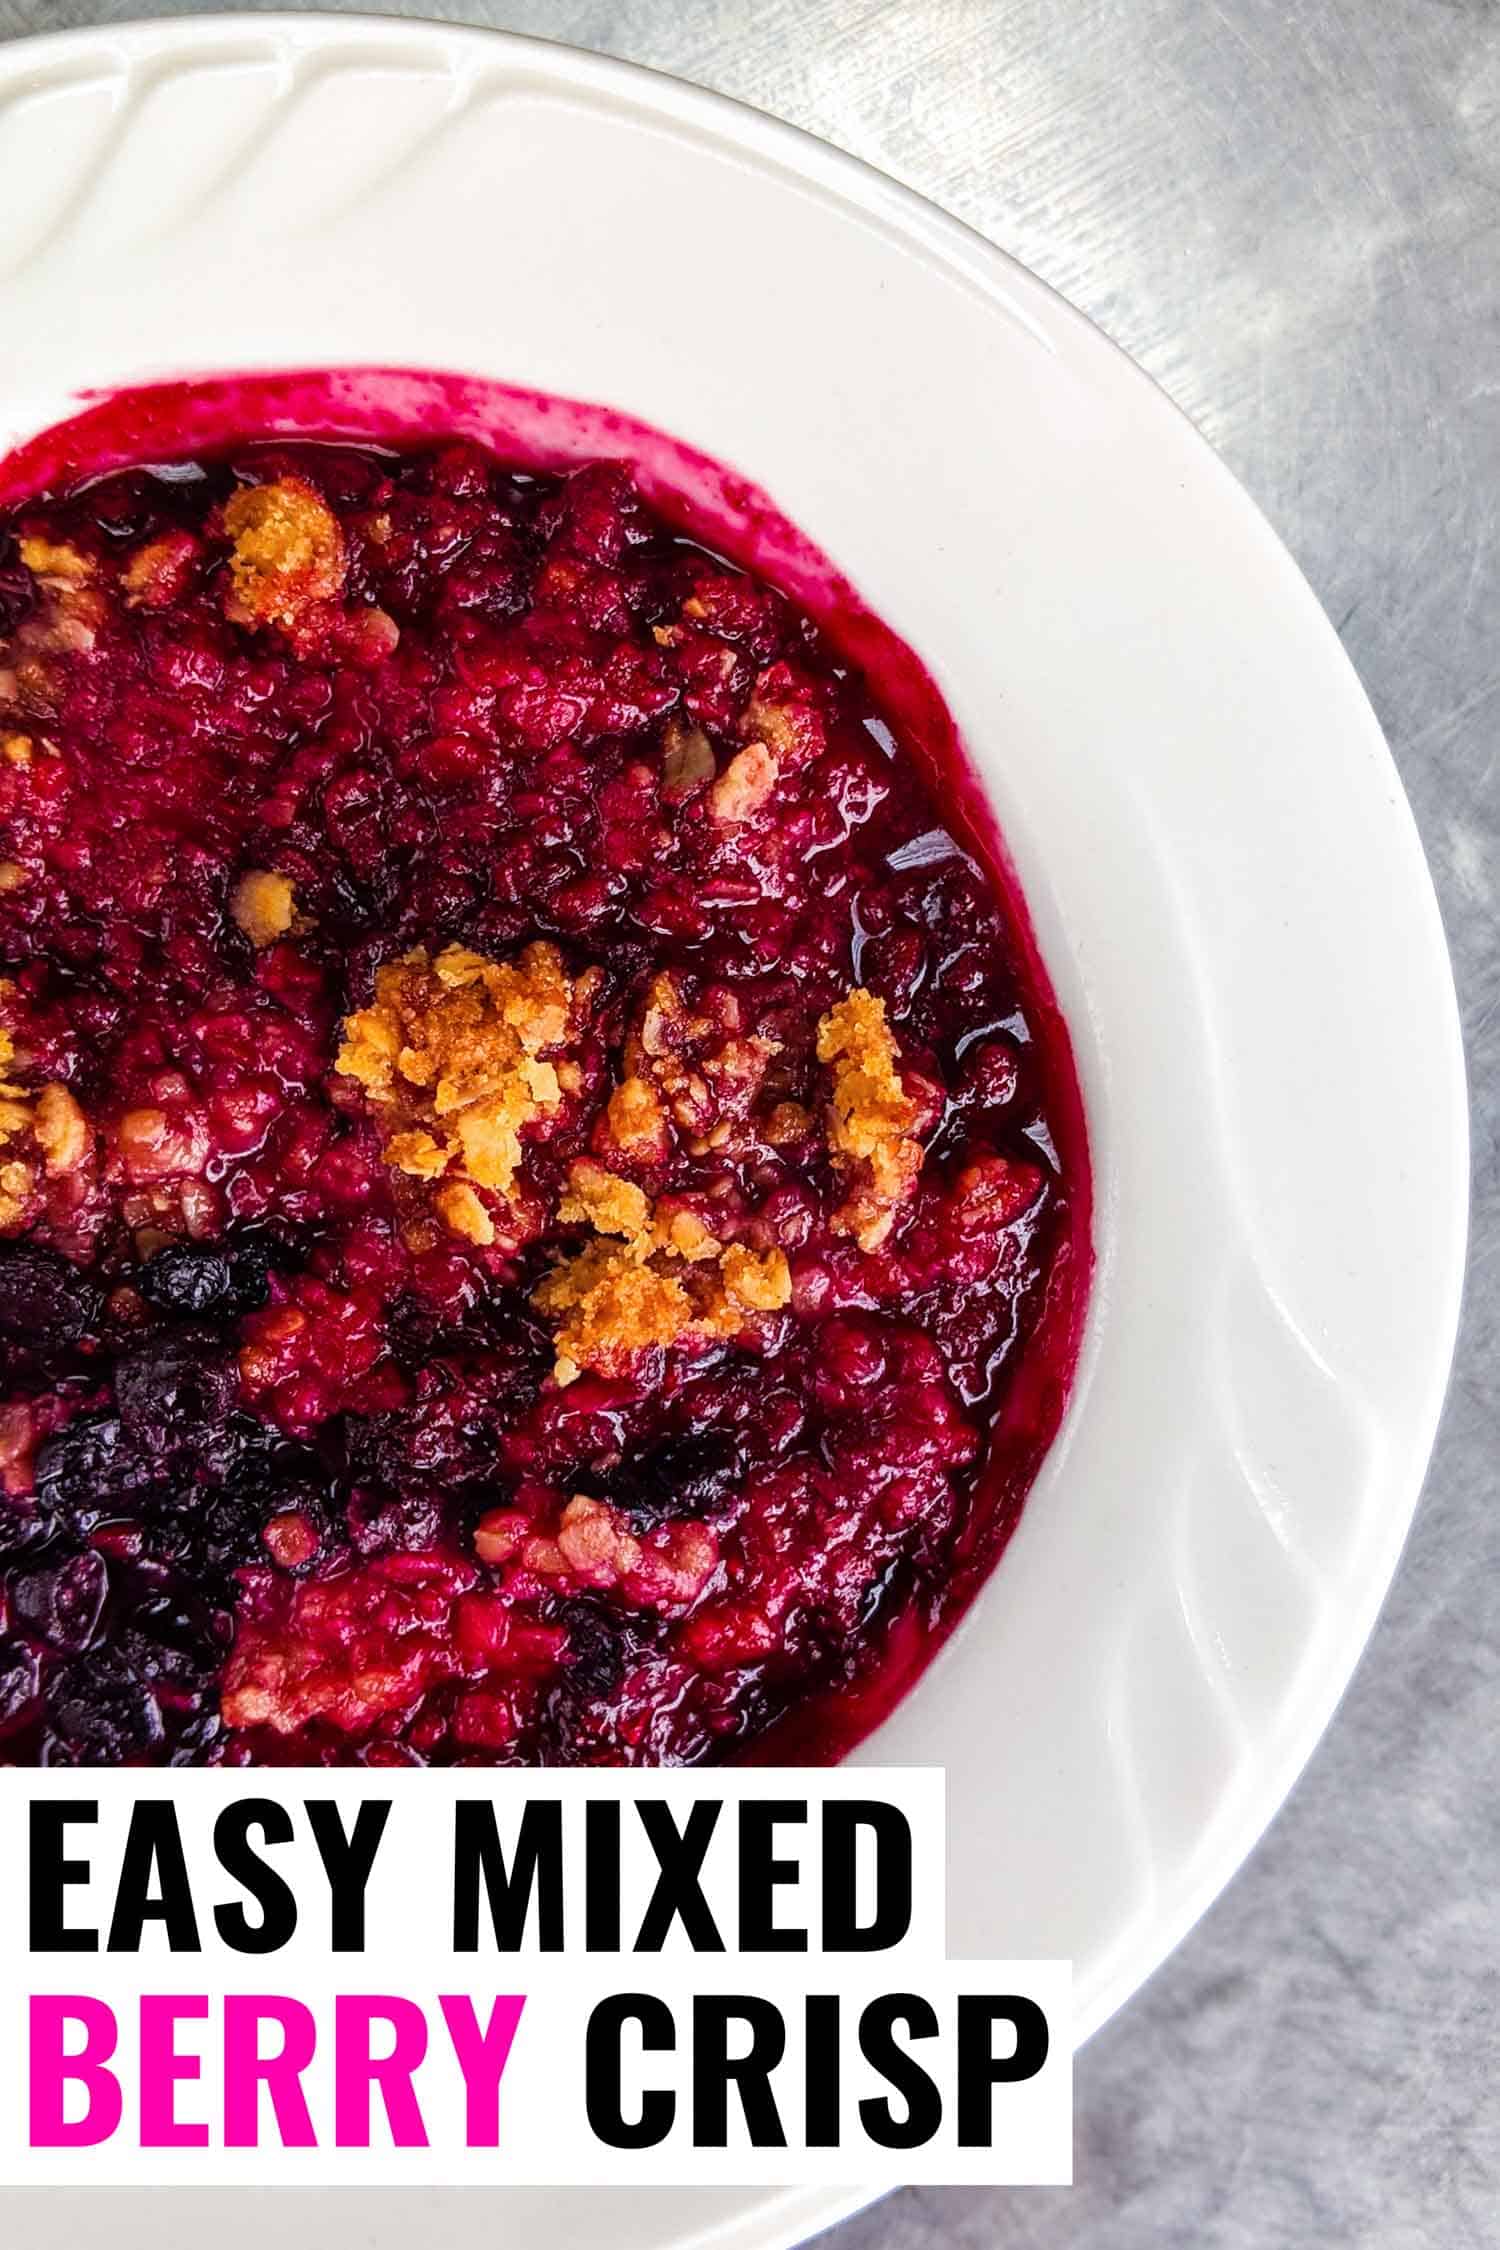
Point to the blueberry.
(595, 1658)
(63, 1603)
(385, 1523)
(187, 1278)
(89, 1470)
(172, 1390)
(250, 1262)
(198, 1743)
(23, 1528)
(104, 1713)
(692, 1475)
(199, 1280)
(209, 1533)
(172, 1643)
(45, 1302)
(19, 1675)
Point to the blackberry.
(172, 1643)
(47, 1306)
(19, 1679)
(90, 1471)
(172, 1391)
(103, 1712)
(209, 1281)
(692, 1475)
(62, 1603)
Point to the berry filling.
(531, 1165)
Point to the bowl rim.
(916, 226)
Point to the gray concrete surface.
(1289, 211)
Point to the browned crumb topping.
(66, 621)
(59, 565)
(600, 1200)
(781, 727)
(45, 1132)
(460, 1208)
(650, 1277)
(635, 1120)
(288, 553)
(452, 1056)
(263, 905)
(594, 1545)
(291, 1681)
(871, 1117)
(745, 784)
(61, 1130)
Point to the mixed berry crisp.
(529, 1174)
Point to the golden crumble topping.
(460, 1208)
(610, 1303)
(780, 727)
(753, 1283)
(609, 1205)
(453, 1058)
(871, 1117)
(634, 1118)
(44, 1132)
(288, 553)
(59, 565)
(745, 784)
(69, 612)
(61, 1130)
(263, 904)
(650, 1276)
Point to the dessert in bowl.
(543, 1197)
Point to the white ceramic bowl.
(1223, 872)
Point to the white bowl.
(1221, 867)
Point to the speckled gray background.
(1289, 211)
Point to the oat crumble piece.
(460, 1208)
(871, 1117)
(17, 1180)
(69, 613)
(634, 1118)
(58, 565)
(745, 784)
(608, 1204)
(611, 1304)
(288, 554)
(648, 1277)
(61, 1129)
(454, 1059)
(264, 905)
(60, 1134)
